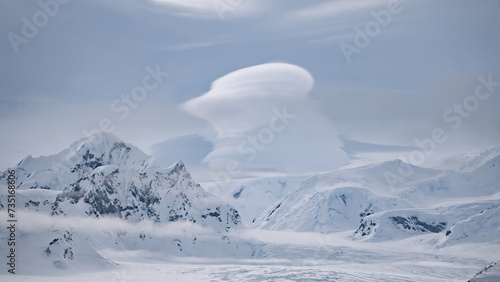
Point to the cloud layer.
(263, 119)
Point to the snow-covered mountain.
(101, 199)
(101, 176)
(396, 200)
(104, 176)
(473, 160)
(252, 197)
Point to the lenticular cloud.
(263, 118)
(245, 99)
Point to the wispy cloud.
(37, 221)
(193, 45)
(334, 8)
(191, 8)
(213, 9)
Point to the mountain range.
(103, 194)
(458, 201)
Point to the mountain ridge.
(363, 201)
(101, 176)
(102, 194)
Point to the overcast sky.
(248, 87)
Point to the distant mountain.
(395, 200)
(103, 177)
(252, 197)
(472, 160)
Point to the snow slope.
(490, 273)
(252, 197)
(396, 200)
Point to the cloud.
(243, 100)
(213, 9)
(191, 8)
(333, 8)
(191, 149)
(189, 4)
(194, 45)
(264, 120)
(36, 222)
